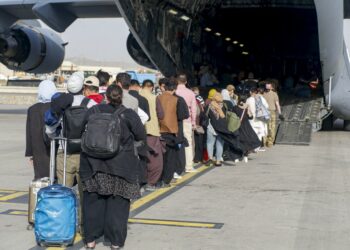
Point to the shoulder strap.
(85, 102)
(119, 111)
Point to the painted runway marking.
(11, 196)
(155, 222)
(175, 223)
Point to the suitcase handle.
(53, 159)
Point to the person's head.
(231, 90)
(91, 85)
(253, 91)
(195, 90)
(103, 78)
(181, 79)
(46, 90)
(134, 85)
(242, 100)
(148, 84)
(218, 98)
(75, 83)
(114, 95)
(268, 86)
(162, 82)
(261, 90)
(170, 87)
(211, 94)
(123, 80)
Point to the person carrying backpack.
(109, 169)
(72, 127)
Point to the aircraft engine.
(31, 49)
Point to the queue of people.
(163, 133)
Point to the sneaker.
(245, 159)
(261, 150)
(237, 161)
(176, 176)
(191, 170)
(151, 187)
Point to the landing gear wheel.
(327, 123)
(347, 125)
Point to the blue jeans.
(219, 146)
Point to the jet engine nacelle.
(31, 49)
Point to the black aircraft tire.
(327, 123)
(347, 125)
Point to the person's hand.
(30, 161)
(281, 117)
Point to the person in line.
(247, 136)
(91, 89)
(75, 88)
(103, 78)
(257, 125)
(134, 90)
(110, 184)
(218, 134)
(216, 115)
(169, 130)
(199, 131)
(123, 80)
(189, 124)
(274, 106)
(227, 99)
(37, 150)
(231, 90)
(155, 164)
(260, 96)
(211, 94)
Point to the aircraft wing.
(57, 14)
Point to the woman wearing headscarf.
(227, 99)
(36, 148)
(247, 137)
(211, 94)
(218, 133)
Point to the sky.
(98, 39)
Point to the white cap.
(75, 82)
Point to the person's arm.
(136, 127)
(278, 106)
(147, 109)
(182, 109)
(159, 109)
(29, 149)
(193, 111)
(143, 116)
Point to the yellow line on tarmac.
(143, 200)
(172, 223)
(7, 191)
(12, 196)
(18, 213)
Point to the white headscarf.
(75, 82)
(226, 95)
(46, 90)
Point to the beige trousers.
(188, 133)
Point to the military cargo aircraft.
(277, 37)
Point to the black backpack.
(101, 138)
(73, 126)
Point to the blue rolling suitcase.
(56, 209)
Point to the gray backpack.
(102, 136)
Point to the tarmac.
(289, 197)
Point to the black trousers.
(105, 216)
(199, 147)
(170, 164)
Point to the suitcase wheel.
(30, 227)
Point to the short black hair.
(170, 86)
(91, 88)
(114, 95)
(134, 82)
(147, 83)
(124, 79)
(103, 77)
(163, 81)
